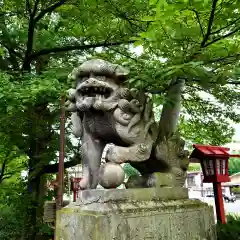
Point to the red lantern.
(214, 163)
(75, 187)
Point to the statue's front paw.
(112, 155)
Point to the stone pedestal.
(136, 214)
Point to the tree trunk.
(36, 188)
(171, 110)
(40, 140)
(31, 226)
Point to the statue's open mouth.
(98, 92)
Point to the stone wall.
(136, 214)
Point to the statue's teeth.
(86, 89)
(95, 89)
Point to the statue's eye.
(82, 77)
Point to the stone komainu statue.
(105, 112)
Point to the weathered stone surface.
(128, 195)
(114, 217)
(107, 114)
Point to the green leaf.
(9, 108)
(153, 2)
(138, 43)
(148, 18)
(1, 52)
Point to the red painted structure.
(60, 190)
(214, 163)
(75, 187)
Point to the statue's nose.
(91, 80)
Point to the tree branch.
(3, 169)
(162, 90)
(222, 37)
(13, 58)
(11, 49)
(212, 82)
(49, 9)
(31, 26)
(9, 44)
(125, 55)
(28, 7)
(221, 59)
(123, 15)
(9, 174)
(10, 14)
(198, 20)
(5, 177)
(210, 23)
(73, 47)
(54, 167)
(228, 25)
(36, 2)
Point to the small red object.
(214, 163)
(75, 187)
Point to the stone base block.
(136, 214)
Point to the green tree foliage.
(12, 161)
(230, 230)
(234, 166)
(13, 208)
(194, 167)
(197, 41)
(236, 190)
(40, 43)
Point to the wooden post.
(60, 175)
(59, 199)
(219, 202)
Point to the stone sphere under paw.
(111, 175)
